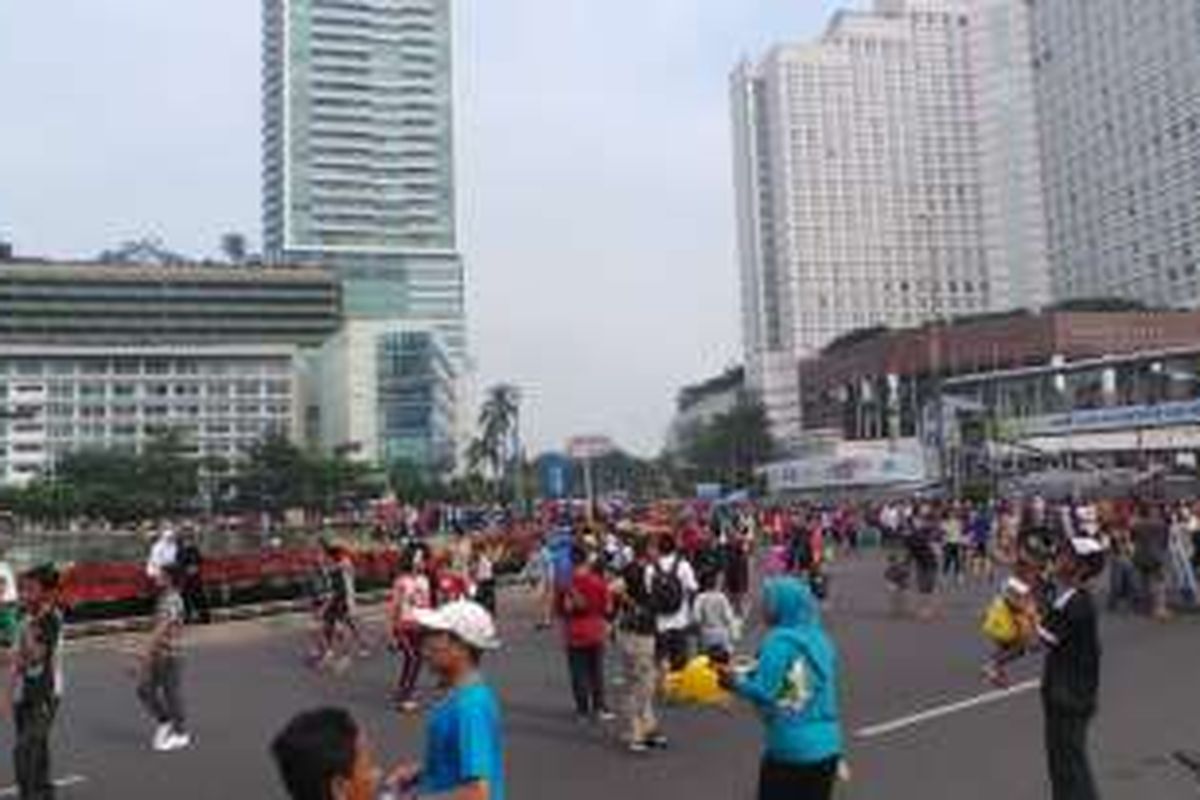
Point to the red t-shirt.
(584, 606)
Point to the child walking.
(715, 619)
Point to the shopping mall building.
(1000, 393)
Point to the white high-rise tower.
(864, 198)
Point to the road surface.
(920, 722)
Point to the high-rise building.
(358, 162)
(1119, 119)
(85, 303)
(862, 189)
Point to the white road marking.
(884, 728)
(61, 783)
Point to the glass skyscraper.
(358, 155)
(358, 174)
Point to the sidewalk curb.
(116, 627)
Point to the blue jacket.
(794, 687)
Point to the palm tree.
(499, 426)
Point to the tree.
(497, 445)
(274, 477)
(169, 477)
(730, 447)
(233, 247)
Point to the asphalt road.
(244, 680)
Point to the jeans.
(31, 753)
(160, 691)
(1066, 754)
(1122, 583)
(952, 561)
(641, 685)
(780, 781)
(587, 679)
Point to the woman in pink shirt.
(410, 593)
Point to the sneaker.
(638, 748)
(161, 736)
(606, 716)
(177, 741)
(656, 741)
(409, 707)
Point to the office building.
(359, 179)
(49, 302)
(387, 393)
(223, 398)
(1119, 119)
(701, 403)
(862, 191)
(358, 154)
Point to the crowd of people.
(677, 592)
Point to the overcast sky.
(594, 172)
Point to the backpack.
(666, 590)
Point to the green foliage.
(728, 449)
(278, 475)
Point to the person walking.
(953, 541)
(1122, 575)
(1151, 545)
(160, 687)
(410, 594)
(794, 689)
(195, 600)
(1071, 675)
(672, 587)
(37, 676)
(584, 606)
(637, 636)
(717, 624)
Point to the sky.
(593, 157)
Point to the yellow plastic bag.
(999, 624)
(696, 683)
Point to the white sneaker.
(161, 734)
(177, 741)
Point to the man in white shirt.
(672, 586)
(162, 553)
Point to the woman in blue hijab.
(794, 690)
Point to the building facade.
(358, 154)
(386, 393)
(701, 403)
(862, 189)
(223, 398)
(85, 303)
(1119, 120)
(1064, 381)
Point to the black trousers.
(587, 679)
(34, 717)
(195, 602)
(1067, 756)
(673, 649)
(780, 781)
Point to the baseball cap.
(465, 619)
(1086, 547)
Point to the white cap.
(1016, 586)
(465, 619)
(1086, 546)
